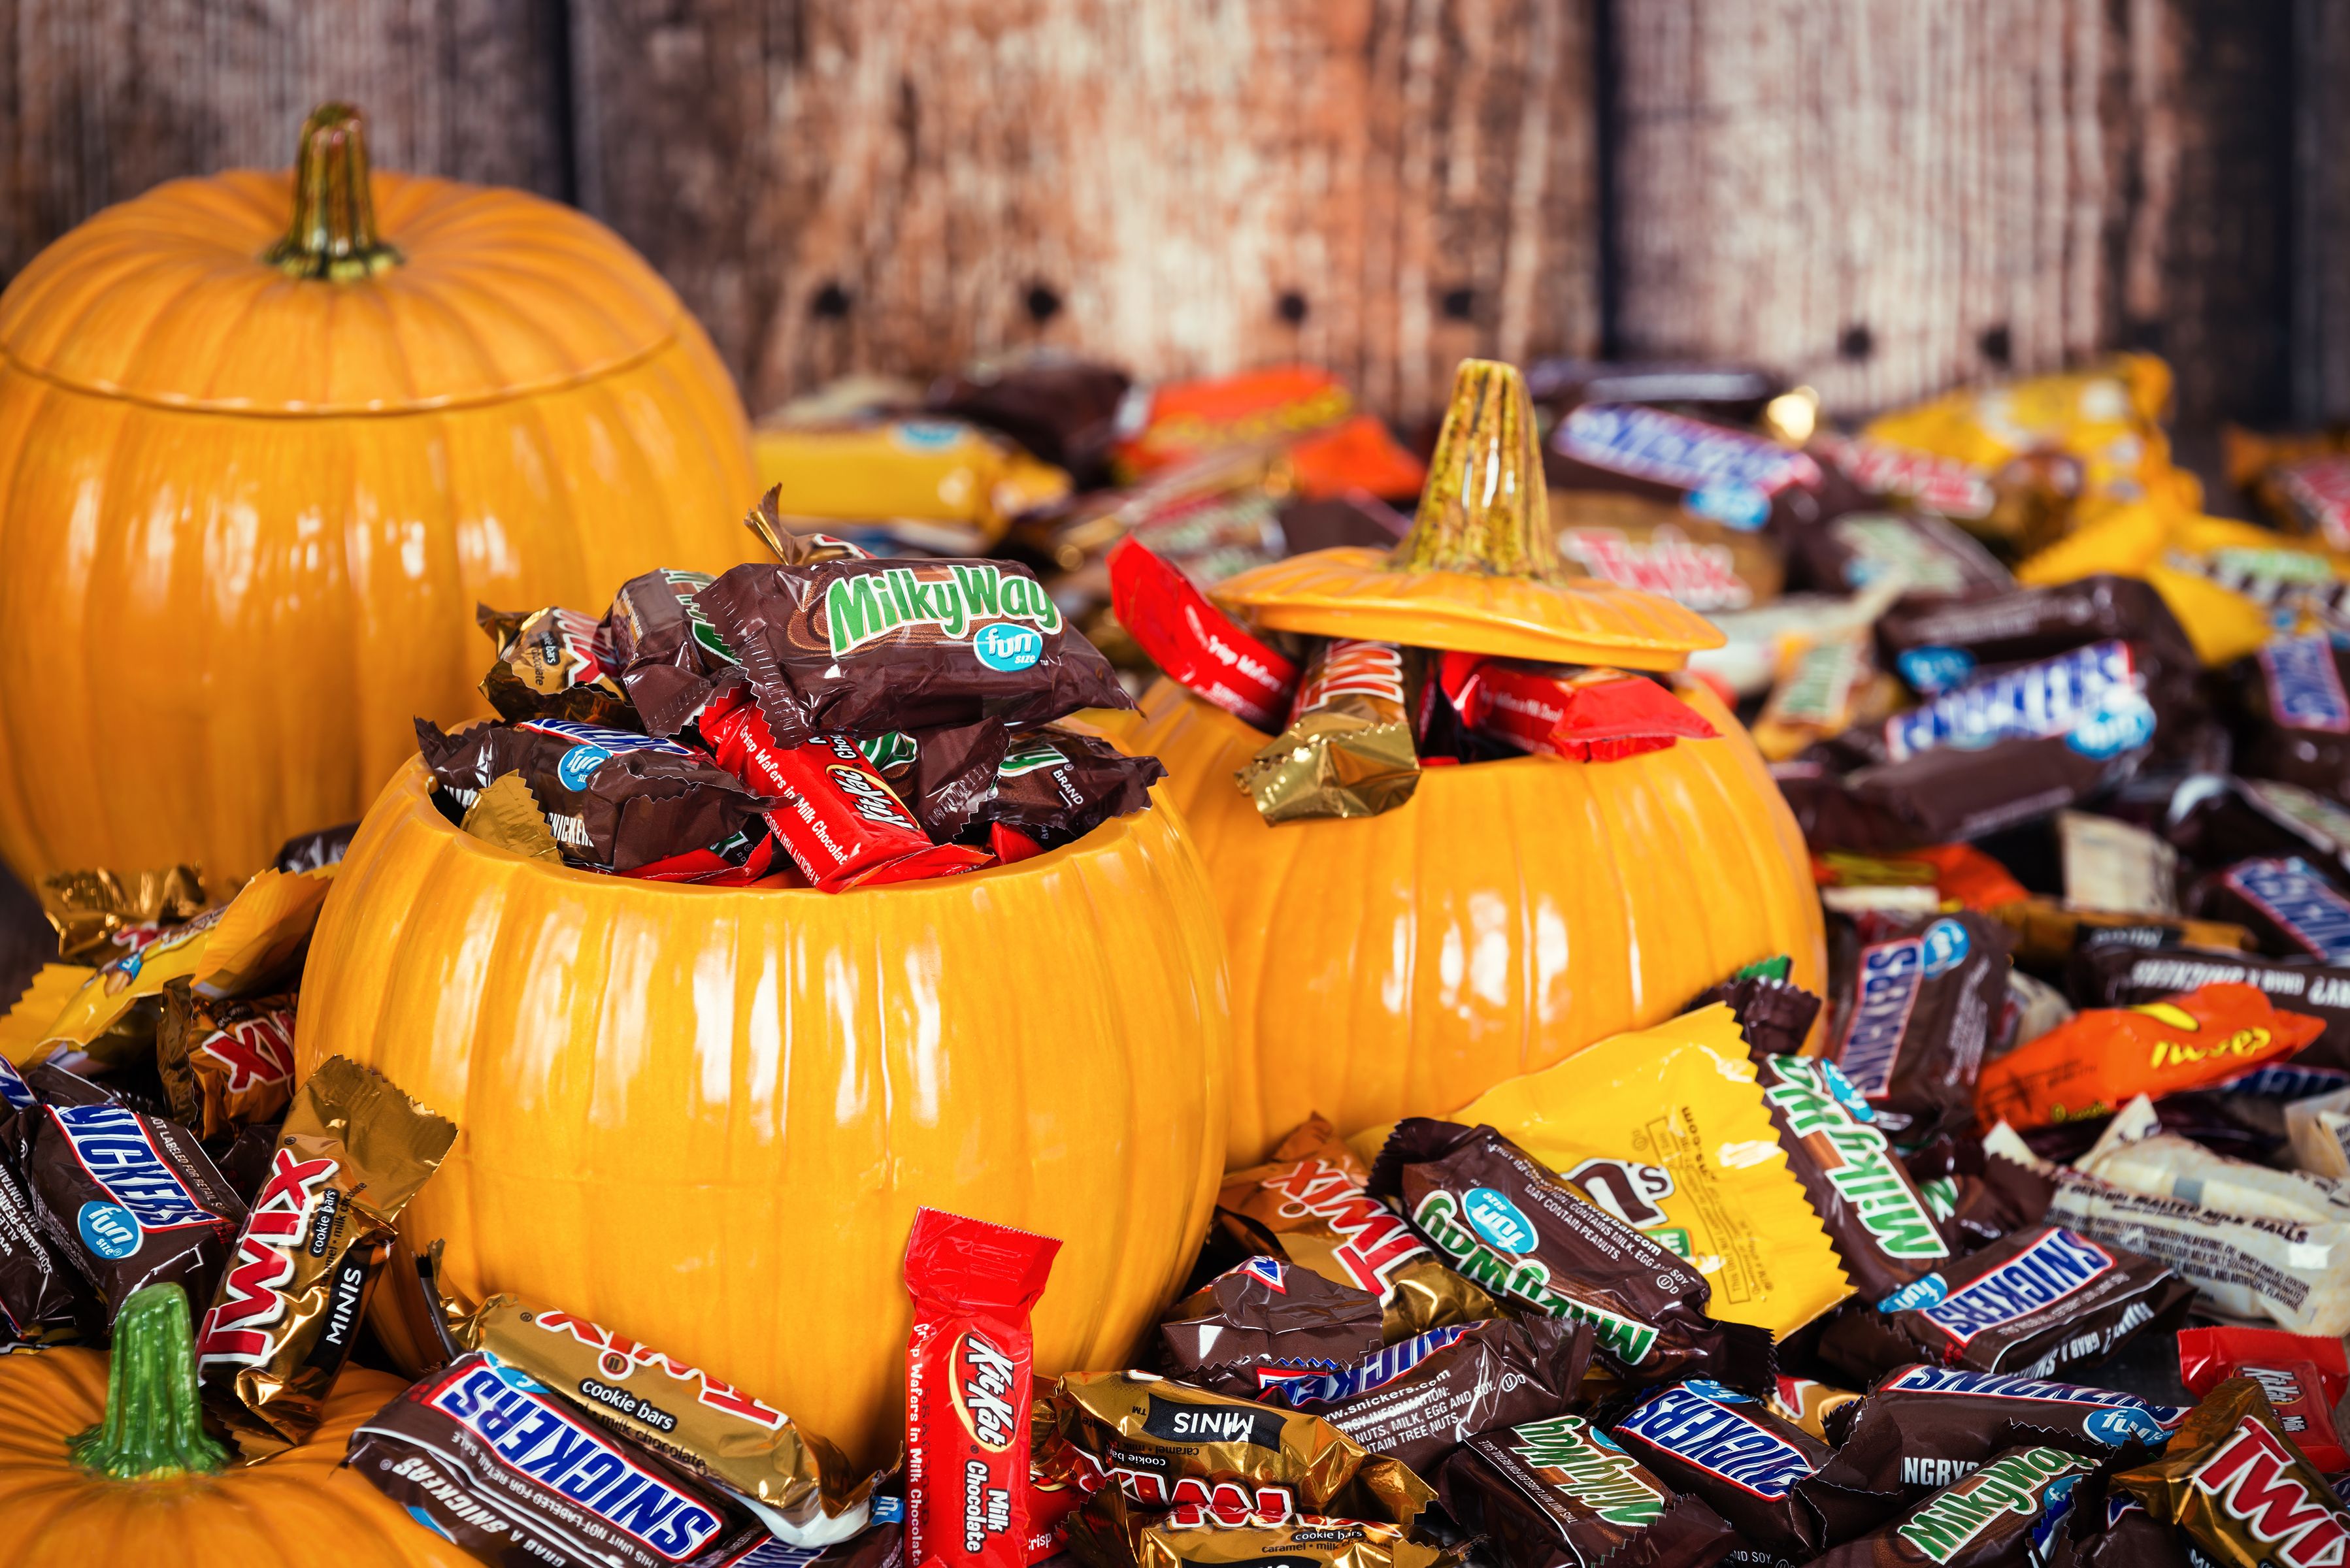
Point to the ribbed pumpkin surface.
(705, 1119)
(246, 518)
(295, 1510)
(1509, 912)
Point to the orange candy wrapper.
(2106, 1056)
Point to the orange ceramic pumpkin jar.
(1509, 912)
(255, 475)
(705, 1117)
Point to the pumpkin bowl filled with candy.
(708, 1111)
(1481, 841)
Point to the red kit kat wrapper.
(967, 1386)
(1584, 715)
(1197, 644)
(2302, 1375)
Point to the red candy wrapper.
(968, 1390)
(841, 821)
(1198, 645)
(2303, 1377)
(1583, 715)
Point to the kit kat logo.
(870, 796)
(241, 1329)
(984, 1377)
(2252, 1479)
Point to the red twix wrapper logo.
(967, 1386)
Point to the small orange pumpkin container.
(705, 1117)
(1509, 912)
(259, 459)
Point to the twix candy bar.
(967, 1386)
(1348, 749)
(353, 1151)
(225, 1063)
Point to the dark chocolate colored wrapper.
(672, 661)
(2215, 820)
(1561, 1493)
(1883, 1231)
(635, 804)
(1725, 475)
(42, 1300)
(1758, 1471)
(2292, 718)
(1977, 1197)
(2027, 625)
(59, 1085)
(1916, 1002)
(1574, 1260)
(2010, 1514)
(1421, 1400)
(2291, 907)
(2237, 1486)
(1925, 1427)
(309, 851)
(243, 1157)
(1774, 1015)
(2032, 1305)
(132, 1202)
(1052, 785)
(2129, 976)
(1855, 550)
(479, 1452)
(1355, 520)
(1942, 795)
(2117, 1531)
(862, 647)
(20, 1119)
(1734, 394)
(1264, 1312)
(1063, 409)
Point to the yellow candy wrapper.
(26, 1024)
(942, 483)
(225, 952)
(1667, 1129)
(508, 814)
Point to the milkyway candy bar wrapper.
(1263, 1312)
(799, 1485)
(1309, 1205)
(2009, 1513)
(1213, 1459)
(1561, 1493)
(352, 1152)
(670, 658)
(1657, 1127)
(1109, 1533)
(2241, 1488)
(225, 1063)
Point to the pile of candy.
(826, 719)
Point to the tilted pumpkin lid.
(1479, 571)
(269, 293)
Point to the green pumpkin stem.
(154, 1427)
(1485, 508)
(333, 234)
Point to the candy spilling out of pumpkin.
(264, 442)
(1504, 829)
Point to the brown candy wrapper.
(2241, 1490)
(128, 1198)
(1109, 1533)
(1532, 1239)
(2007, 1514)
(42, 1300)
(1309, 1206)
(1052, 785)
(672, 661)
(1267, 1312)
(1773, 1016)
(1170, 1445)
(225, 1065)
(553, 663)
(1348, 749)
(99, 916)
(1916, 1002)
(799, 1484)
(353, 1151)
(1561, 1493)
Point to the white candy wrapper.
(2135, 1152)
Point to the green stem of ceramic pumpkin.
(333, 234)
(1485, 508)
(155, 1426)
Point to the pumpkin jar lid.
(333, 291)
(1479, 571)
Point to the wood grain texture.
(2320, 337)
(1884, 197)
(101, 99)
(837, 186)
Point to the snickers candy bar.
(2295, 714)
(2294, 909)
(2009, 1513)
(863, 646)
(487, 1456)
(1760, 1473)
(1419, 1400)
(1267, 1312)
(2104, 699)
(1517, 1232)
(1948, 794)
(613, 798)
(1916, 1005)
(130, 1201)
(671, 659)
(1109, 1533)
(1726, 476)
(2032, 1305)
(1884, 1234)
(1310, 1206)
(2241, 1489)
(1561, 1493)
(1924, 1428)
(1938, 646)
(225, 1065)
